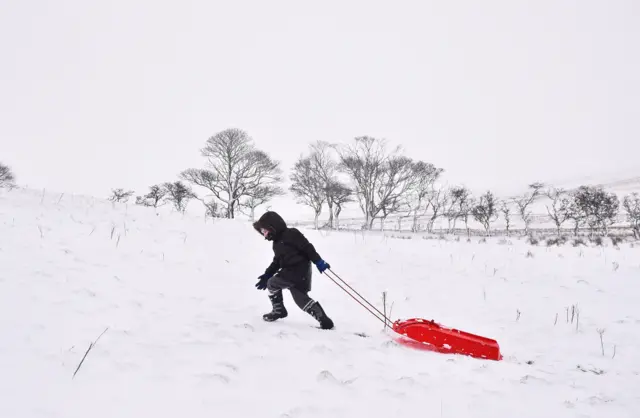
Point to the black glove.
(262, 282)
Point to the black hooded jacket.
(291, 248)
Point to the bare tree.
(363, 163)
(465, 212)
(560, 210)
(631, 204)
(307, 187)
(211, 207)
(179, 194)
(155, 197)
(485, 211)
(599, 208)
(525, 201)
(7, 178)
(464, 203)
(506, 213)
(237, 170)
(324, 168)
(258, 197)
(449, 211)
(575, 213)
(425, 175)
(380, 179)
(457, 200)
(437, 200)
(339, 194)
(392, 195)
(120, 196)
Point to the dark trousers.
(297, 280)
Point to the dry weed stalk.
(87, 352)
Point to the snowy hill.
(172, 300)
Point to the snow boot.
(318, 313)
(278, 311)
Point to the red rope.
(385, 321)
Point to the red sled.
(428, 335)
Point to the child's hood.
(271, 220)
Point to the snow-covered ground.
(184, 335)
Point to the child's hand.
(322, 265)
(262, 282)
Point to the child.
(290, 269)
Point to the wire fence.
(539, 223)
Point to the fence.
(540, 223)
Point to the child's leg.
(274, 287)
(311, 307)
(301, 298)
(277, 283)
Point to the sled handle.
(386, 321)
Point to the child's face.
(264, 232)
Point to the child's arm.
(273, 268)
(302, 243)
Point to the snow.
(184, 334)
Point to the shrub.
(615, 240)
(558, 241)
(577, 242)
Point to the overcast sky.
(98, 95)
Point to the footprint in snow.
(285, 334)
(306, 411)
(207, 324)
(214, 377)
(321, 349)
(529, 378)
(407, 381)
(326, 376)
(229, 366)
(394, 393)
(597, 399)
(390, 344)
(245, 326)
(85, 291)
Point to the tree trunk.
(452, 224)
(337, 216)
(430, 224)
(232, 209)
